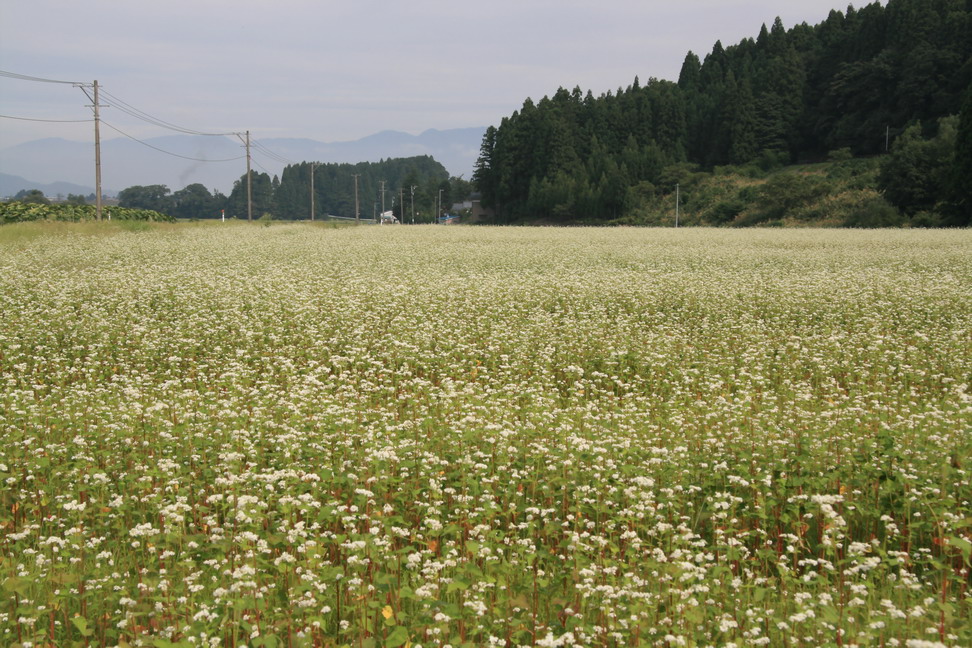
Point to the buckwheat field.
(229, 435)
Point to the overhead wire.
(270, 154)
(184, 157)
(27, 77)
(132, 111)
(144, 116)
(59, 121)
(255, 163)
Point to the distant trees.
(784, 96)
(153, 197)
(195, 201)
(261, 190)
(959, 212)
(334, 188)
(35, 196)
(927, 175)
(288, 196)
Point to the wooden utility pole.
(382, 183)
(97, 121)
(676, 204)
(401, 201)
(357, 210)
(249, 182)
(313, 164)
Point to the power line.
(184, 157)
(59, 121)
(144, 116)
(261, 166)
(26, 77)
(275, 156)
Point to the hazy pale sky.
(334, 71)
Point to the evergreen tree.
(794, 94)
(194, 201)
(959, 210)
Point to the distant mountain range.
(59, 166)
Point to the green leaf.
(397, 637)
(16, 584)
(962, 545)
(830, 614)
(82, 625)
(406, 593)
(457, 584)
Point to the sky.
(338, 71)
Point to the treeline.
(858, 82)
(288, 197)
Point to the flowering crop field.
(228, 435)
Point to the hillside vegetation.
(830, 194)
(880, 80)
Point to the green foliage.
(20, 212)
(959, 208)
(784, 193)
(261, 192)
(334, 189)
(915, 177)
(832, 194)
(788, 95)
(308, 437)
(195, 201)
(151, 197)
(33, 196)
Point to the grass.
(425, 436)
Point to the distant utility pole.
(887, 137)
(357, 211)
(313, 164)
(676, 204)
(382, 184)
(413, 204)
(401, 201)
(438, 210)
(249, 182)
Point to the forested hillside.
(861, 83)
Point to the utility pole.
(438, 210)
(249, 182)
(676, 204)
(382, 183)
(357, 211)
(887, 138)
(401, 201)
(313, 164)
(97, 121)
(413, 204)
(97, 124)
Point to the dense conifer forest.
(868, 102)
